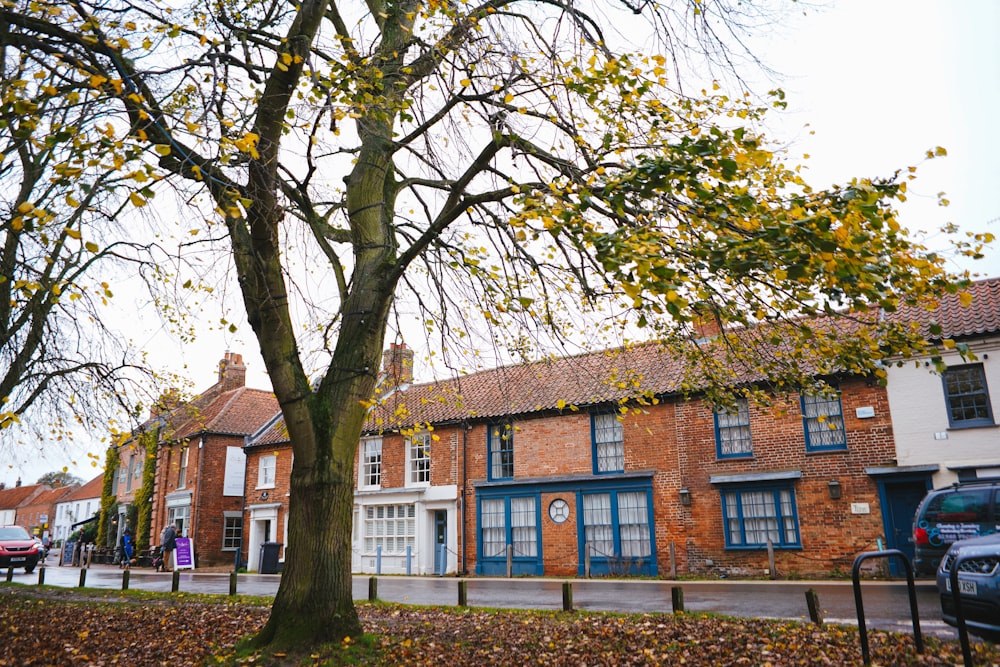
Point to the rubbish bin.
(269, 557)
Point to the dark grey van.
(957, 512)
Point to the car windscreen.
(13, 533)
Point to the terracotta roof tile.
(17, 495)
(240, 411)
(981, 316)
(53, 495)
(91, 489)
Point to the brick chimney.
(17, 483)
(705, 321)
(397, 364)
(232, 372)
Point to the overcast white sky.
(879, 83)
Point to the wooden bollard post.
(567, 595)
(232, 583)
(463, 593)
(10, 574)
(126, 575)
(812, 601)
(771, 565)
(83, 577)
(673, 561)
(41, 575)
(372, 589)
(677, 599)
(175, 584)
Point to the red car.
(18, 548)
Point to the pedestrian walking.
(168, 542)
(128, 548)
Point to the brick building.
(16, 497)
(38, 514)
(200, 463)
(551, 468)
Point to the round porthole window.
(558, 510)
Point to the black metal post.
(956, 597)
(911, 588)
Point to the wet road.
(886, 603)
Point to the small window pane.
(824, 422)
(733, 430)
(967, 396)
(609, 443)
(501, 449)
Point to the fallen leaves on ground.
(47, 627)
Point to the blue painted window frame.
(600, 564)
(807, 400)
(967, 396)
(742, 409)
(497, 564)
(595, 446)
(783, 513)
(500, 458)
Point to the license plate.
(20, 559)
(965, 586)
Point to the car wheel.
(29, 568)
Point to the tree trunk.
(315, 602)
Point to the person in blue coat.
(128, 547)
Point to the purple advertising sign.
(184, 555)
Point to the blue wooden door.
(901, 498)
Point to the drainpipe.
(196, 507)
(243, 512)
(461, 500)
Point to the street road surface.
(886, 603)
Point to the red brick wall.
(279, 494)
(831, 535)
(204, 479)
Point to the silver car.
(979, 583)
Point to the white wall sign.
(861, 508)
(236, 465)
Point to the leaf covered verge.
(66, 627)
